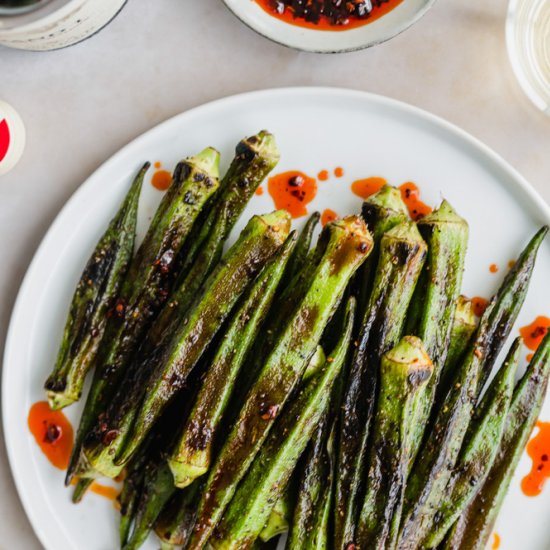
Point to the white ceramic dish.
(317, 128)
(312, 40)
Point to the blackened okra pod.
(156, 491)
(404, 371)
(434, 302)
(473, 529)
(175, 522)
(301, 250)
(147, 285)
(135, 409)
(193, 452)
(314, 495)
(94, 296)
(255, 157)
(462, 331)
(342, 247)
(401, 258)
(381, 212)
(480, 448)
(430, 475)
(270, 471)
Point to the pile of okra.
(341, 392)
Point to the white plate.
(316, 128)
(313, 40)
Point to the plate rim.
(516, 181)
(281, 42)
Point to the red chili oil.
(327, 216)
(538, 450)
(292, 191)
(366, 187)
(328, 15)
(53, 433)
(411, 197)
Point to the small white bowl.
(311, 40)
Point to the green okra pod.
(278, 520)
(301, 251)
(480, 448)
(156, 491)
(473, 529)
(138, 405)
(268, 476)
(175, 522)
(401, 258)
(342, 247)
(430, 475)
(381, 212)
(309, 527)
(434, 303)
(94, 297)
(404, 371)
(255, 157)
(193, 452)
(462, 331)
(147, 285)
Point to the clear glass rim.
(542, 103)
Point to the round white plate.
(316, 128)
(312, 40)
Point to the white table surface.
(80, 105)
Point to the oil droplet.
(327, 216)
(338, 171)
(479, 305)
(411, 197)
(161, 180)
(538, 450)
(259, 191)
(496, 541)
(292, 191)
(534, 333)
(369, 186)
(157, 164)
(53, 433)
(323, 175)
(493, 268)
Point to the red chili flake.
(271, 412)
(53, 433)
(109, 437)
(296, 181)
(119, 308)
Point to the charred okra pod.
(175, 523)
(342, 247)
(193, 452)
(464, 327)
(401, 257)
(268, 476)
(404, 371)
(138, 405)
(255, 157)
(434, 302)
(381, 212)
(473, 529)
(94, 296)
(147, 285)
(479, 450)
(430, 476)
(301, 251)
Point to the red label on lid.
(4, 139)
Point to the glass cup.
(528, 42)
